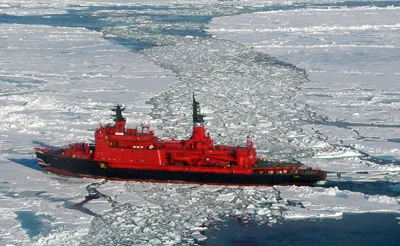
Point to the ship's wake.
(243, 92)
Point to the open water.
(352, 229)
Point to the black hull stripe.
(92, 169)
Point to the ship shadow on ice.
(42, 144)
(26, 162)
(67, 203)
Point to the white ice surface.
(352, 66)
(68, 71)
(58, 83)
(40, 193)
(53, 86)
(352, 57)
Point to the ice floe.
(58, 83)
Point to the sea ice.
(341, 91)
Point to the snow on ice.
(324, 92)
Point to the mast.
(198, 132)
(119, 119)
(118, 113)
(198, 118)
